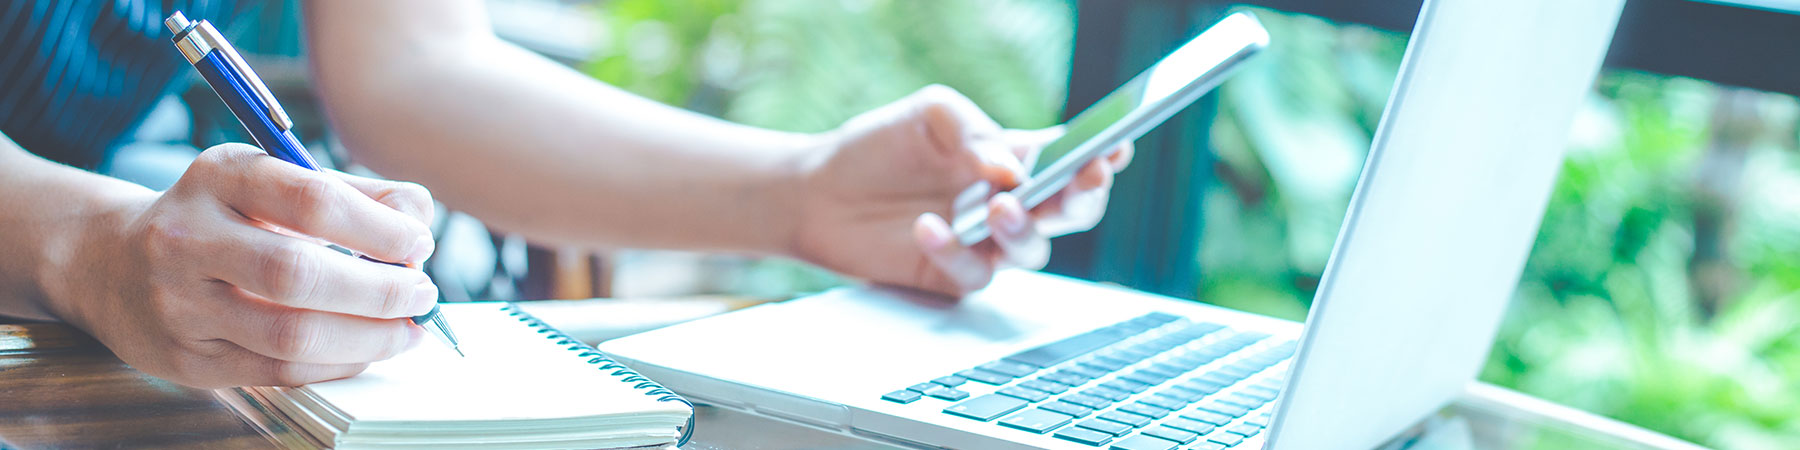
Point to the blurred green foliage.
(1661, 291)
(808, 66)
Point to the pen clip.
(276, 115)
(212, 38)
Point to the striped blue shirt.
(77, 75)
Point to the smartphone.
(1126, 114)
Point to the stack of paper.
(522, 385)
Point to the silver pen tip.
(443, 328)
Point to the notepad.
(522, 385)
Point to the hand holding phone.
(1124, 115)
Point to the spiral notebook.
(522, 385)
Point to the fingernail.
(421, 249)
(1011, 223)
(1008, 217)
(425, 296)
(931, 232)
(416, 335)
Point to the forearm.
(45, 204)
(530, 146)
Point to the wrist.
(73, 254)
(799, 195)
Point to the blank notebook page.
(512, 372)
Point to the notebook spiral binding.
(626, 375)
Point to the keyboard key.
(1186, 365)
(1132, 354)
(1217, 378)
(1201, 386)
(1273, 384)
(1133, 328)
(950, 380)
(1190, 425)
(1202, 329)
(1190, 361)
(1134, 420)
(1227, 439)
(1025, 394)
(923, 387)
(1040, 385)
(1087, 400)
(902, 396)
(1084, 371)
(1152, 348)
(1260, 421)
(1125, 385)
(1065, 378)
(985, 376)
(1164, 402)
(1172, 434)
(1248, 365)
(1226, 409)
(1106, 426)
(1238, 398)
(1263, 361)
(1142, 442)
(1202, 356)
(1157, 318)
(1103, 365)
(1148, 378)
(1236, 370)
(1037, 420)
(1219, 349)
(1057, 352)
(1085, 436)
(1107, 393)
(1068, 408)
(1163, 370)
(1009, 368)
(1209, 417)
(1116, 359)
(986, 407)
(947, 393)
(1185, 396)
(1263, 393)
(1169, 369)
(1244, 429)
(1142, 409)
(1207, 446)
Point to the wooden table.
(61, 389)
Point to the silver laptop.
(1433, 244)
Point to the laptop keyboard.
(1136, 385)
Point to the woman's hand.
(876, 205)
(223, 281)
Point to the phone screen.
(1085, 126)
(1185, 66)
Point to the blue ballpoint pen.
(256, 108)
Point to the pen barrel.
(272, 138)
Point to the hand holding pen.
(255, 106)
(219, 280)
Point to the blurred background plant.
(1661, 290)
